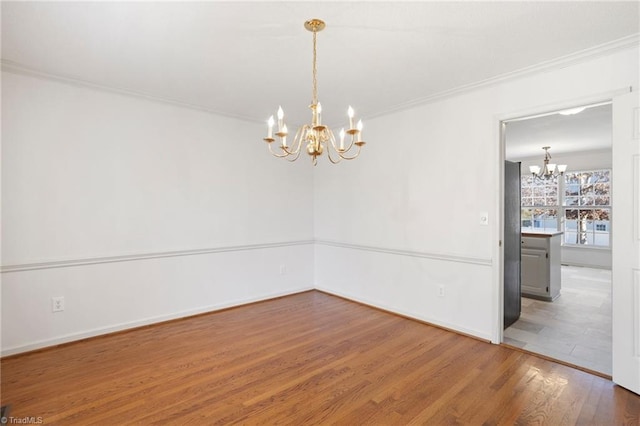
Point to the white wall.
(137, 211)
(597, 257)
(406, 216)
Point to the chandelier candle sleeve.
(270, 131)
(284, 136)
(350, 113)
(280, 118)
(317, 137)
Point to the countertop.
(541, 233)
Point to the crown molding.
(628, 42)
(624, 43)
(20, 69)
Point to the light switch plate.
(484, 218)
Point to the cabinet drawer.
(535, 242)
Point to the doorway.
(565, 290)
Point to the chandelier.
(317, 137)
(548, 170)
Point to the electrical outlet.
(57, 304)
(283, 269)
(441, 290)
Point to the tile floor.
(576, 327)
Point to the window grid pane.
(587, 188)
(539, 193)
(587, 226)
(586, 223)
(586, 200)
(540, 203)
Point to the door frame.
(500, 123)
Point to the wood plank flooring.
(309, 358)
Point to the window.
(539, 200)
(587, 208)
(579, 203)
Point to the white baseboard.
(146, 321)
(422, 318)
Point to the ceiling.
(589, 130)
(243, 59)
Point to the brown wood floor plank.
(309, 358)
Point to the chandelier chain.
(315, 70)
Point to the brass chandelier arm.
(348, 148)
(353, 156)
(296, 142)
(332, 141)
(287, 152)
(276, 154)
(293, 155)
(332, 160)
(342, 154)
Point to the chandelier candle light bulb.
(317, 137)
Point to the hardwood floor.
(309, 358)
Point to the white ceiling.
(589, 130)
(243, 59)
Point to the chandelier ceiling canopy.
(316, 136)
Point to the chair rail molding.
(65, 263)
(411, 253)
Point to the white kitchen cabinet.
(541, 277)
